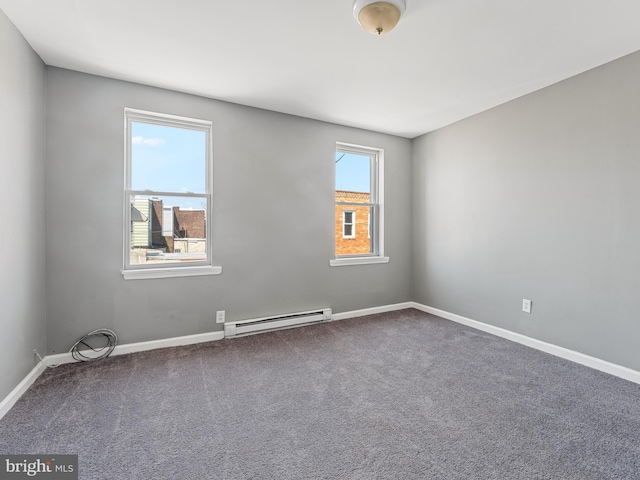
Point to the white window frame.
(353, 223)
(146, 271)
(376, 202)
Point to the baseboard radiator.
(257, 325)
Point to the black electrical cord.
(91, 353)
(102, 352)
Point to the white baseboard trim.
(592, 362)
(11, 399)
(168, 342)
(125, 348)
(372, 311)
(577, 357)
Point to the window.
(168, 184)
(348, 227)
(359, 206)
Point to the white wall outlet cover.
(526, 305)
(220, 316)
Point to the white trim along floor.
(592, 362)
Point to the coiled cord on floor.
(101, 352)
(94, 353)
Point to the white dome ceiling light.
(378, 18)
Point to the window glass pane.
(168, 229)
(168, 159)
(353, 178)
(352, 237)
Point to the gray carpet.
(403, 395)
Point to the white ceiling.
(446, 59)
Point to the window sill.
(341, 262)
(147, 273)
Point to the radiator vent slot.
(257, 325)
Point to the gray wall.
(273, 217)
(22, 262)
(539, 198)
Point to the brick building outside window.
(353, 235)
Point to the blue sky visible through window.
(353, 172)
(173, 159)
(169, 159)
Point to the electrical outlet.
(526, 305)
(220, 316)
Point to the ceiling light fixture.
(378, 17)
